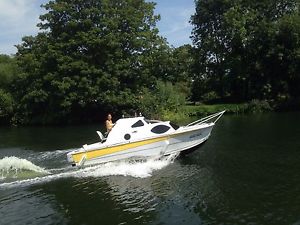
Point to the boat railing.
(217, 116)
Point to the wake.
(12, 166)
(13, 169)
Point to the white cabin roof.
(136, 128)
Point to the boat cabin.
(137, 128)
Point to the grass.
(187, 113)
(203, 110)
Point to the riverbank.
(188, 112)
(185, 113)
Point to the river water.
(247, 173)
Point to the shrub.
(163, 97)
(256, 106)
(6, 106)
(209, 96)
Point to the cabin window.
(160, 129)
(138, 124)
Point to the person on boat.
(109, 124)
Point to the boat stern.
(70, 158)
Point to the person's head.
(109, 117)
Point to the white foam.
(15, 164)
(49, 154)
(140, 169)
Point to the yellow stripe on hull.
(106, 151)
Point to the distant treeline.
(94, 57)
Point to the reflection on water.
(247, 173)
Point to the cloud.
(18, 18)
(14, 10)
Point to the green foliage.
(257, 106)
(8, 74)
(209, 96)
(7, 71)
(287, 104)
(180, 61)
(162, 99)
(178, 117)
(247, 49)
(6, 105)
(94, 57)
(90, 57)
(204, 110)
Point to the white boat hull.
(159, 146)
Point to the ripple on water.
(29, 206)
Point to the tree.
(181, 65)
(8, 74)
(240, 50)
(161, 99)
(90, 57)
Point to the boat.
(139, 138)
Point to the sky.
(19, 18)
